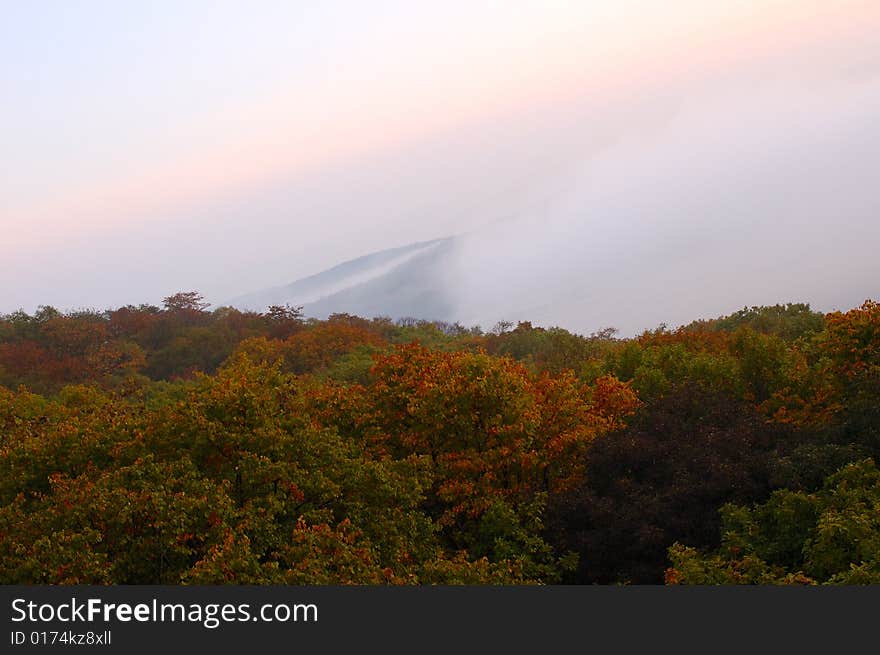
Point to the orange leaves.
(695, 340)
(492, 429)
(312, 349)
(21, 357)
(296, 494)
(853, 338)
(612, 400)
(839, 376)
(672, 577)
(74, 336)
(324, 554)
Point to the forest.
(184, 445)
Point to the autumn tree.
(852, 346)
(498, 439)
(662, 479)
(185, 301)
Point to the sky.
(621, 161)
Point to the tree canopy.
(187, 445)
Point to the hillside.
(397, 282)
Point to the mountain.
(398, 282)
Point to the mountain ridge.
(397, 282)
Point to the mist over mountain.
(765, 193)
(398, 282)
(591, 164)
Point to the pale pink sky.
(124, 129)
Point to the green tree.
(831, 536)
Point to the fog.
(588, 188)
(756, 193)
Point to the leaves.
(180, 444)
(831, 536)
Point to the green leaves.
(831, 536)
(186, 445)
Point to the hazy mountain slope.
(398, 282)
